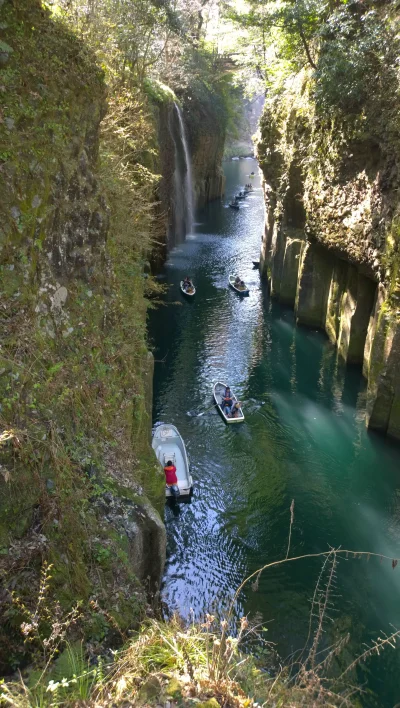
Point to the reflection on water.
(304, 439)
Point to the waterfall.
(184, 186)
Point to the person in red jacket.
(171, 478)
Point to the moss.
(74, 378)
(173, 688)
(159, 92)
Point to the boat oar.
(206, 411)
(197, 415)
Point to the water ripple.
(304, 438)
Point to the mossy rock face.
(313, 286)
(333, 175)
(75, 372)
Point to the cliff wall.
(331, 242)
(205, 138)
(79, 485)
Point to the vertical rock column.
(290, 270)
(336, 292)
(356, 306)
(278, 246)
(280, 252)
(380, 296)
(383, 396)
(313, 286)
(265, 255)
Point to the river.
(304, 438)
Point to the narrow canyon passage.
(304, 439)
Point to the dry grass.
(171, 661)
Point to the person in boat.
(242, 285)
(235, 410)
(227, 401)
(237, 282)
(171, 478)
(187, 283)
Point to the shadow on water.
(304, 438)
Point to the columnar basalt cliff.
(207, 139)
(331, 242)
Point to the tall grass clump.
(209, 661)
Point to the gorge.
(113, 122)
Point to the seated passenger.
(187, 283)
(235, 410)
(227, 400)
(237, 281)
(242, 285)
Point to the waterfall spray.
(188, 180)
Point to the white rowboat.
(168, 445)
(235, 288)
(219, 390)
(190, 292)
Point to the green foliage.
(4, 47)
(358, 58)
(351, 47)
(158, 91)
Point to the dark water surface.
(304, 439)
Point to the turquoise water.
(304, 438)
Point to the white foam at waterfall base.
(188, 179)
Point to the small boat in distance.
(186, 290)
(237, 288)
(241, 195)
(256, 264)
(168, 446)
(219, 390)
(234, 205)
